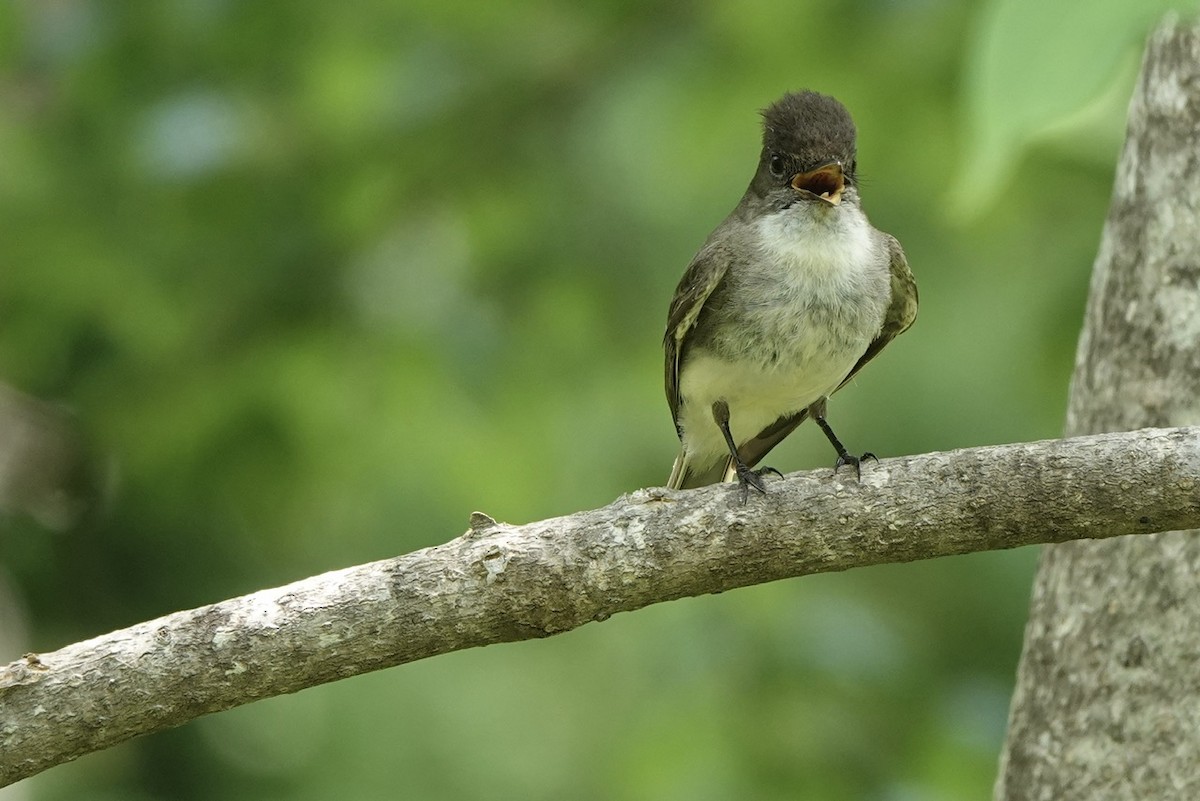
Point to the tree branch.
(500, 583)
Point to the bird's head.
(808, 153)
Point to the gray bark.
(1107, 704)
(500, 582)
(12, 638)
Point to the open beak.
(826, 182)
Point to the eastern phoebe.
(786, 301)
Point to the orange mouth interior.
(826, 183)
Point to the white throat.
(818, 247)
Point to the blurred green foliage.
(320, 279)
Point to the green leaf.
(1045, 66)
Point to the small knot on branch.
(481, 523)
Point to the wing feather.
(900, 312)
(702, 276)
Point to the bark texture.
(499, 582)
(1107, 704)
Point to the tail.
(686, 474)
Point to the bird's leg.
(747, 476)
(817, 410)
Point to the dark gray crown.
(809, 126)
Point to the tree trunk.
(1107, 703)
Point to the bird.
(783, 304)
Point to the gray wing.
(702, 276)
(899, 316)
(900, 313)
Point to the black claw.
(854, 461)
(749, 478)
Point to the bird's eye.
(776, 165)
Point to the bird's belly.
(758, 390)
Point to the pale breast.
(785, 329)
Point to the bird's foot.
(749, 478)
(853, 461)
